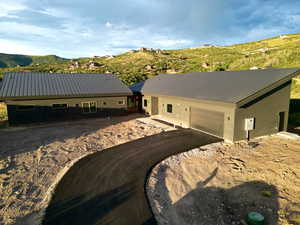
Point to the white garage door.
(208, 121)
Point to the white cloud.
(19, 29)
(7, 8)
(19, 47)
(55, 12)
(108, 25)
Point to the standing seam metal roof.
(226, 86)
(65, 85)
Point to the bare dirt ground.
(33, 159)
(221, 183)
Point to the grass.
(3, 112)
(132, 67)
(295, 219)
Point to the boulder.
(149, 67)
(205, 65)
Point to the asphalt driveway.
(108, 187)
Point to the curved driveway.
(107, 188)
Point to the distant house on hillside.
(233, 105)
(36, 97)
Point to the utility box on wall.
(249, 124)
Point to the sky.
(86, 28)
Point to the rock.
(149, 67)
(93, 64)
(205, 65)
(109, 56)
(143, 49)
(173, 71)
(254, 68)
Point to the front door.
(281, 121)
(154, 105)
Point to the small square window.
(145, 102)
(104, 103)
(89, 107)
(121, 102)
(169, 108)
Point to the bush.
(3, 112)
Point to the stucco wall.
(266, 114)
(181, 112)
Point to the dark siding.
(45, 113)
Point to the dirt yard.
(221, 183)
(33, 159)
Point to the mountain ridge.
(138, 65)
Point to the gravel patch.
(34, 159)
(220, 183)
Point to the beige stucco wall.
(266, 114)
(111, 102)
(182, 107)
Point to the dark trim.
(66, 97)
(269, 93)
(33, 98)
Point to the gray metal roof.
(226, 86)
(60, 85)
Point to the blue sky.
(78, 28)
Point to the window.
(93, 107)
(145, 102)
(169, 108)
(59, 106)
(89, 107)
(25, 107)
(104, 103)
(121, 102)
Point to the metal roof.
(47, 85)
(137, 87)
(225, 86)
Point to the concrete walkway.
(108, 187)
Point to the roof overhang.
(268, 89)
(223, 104)
(64, 96)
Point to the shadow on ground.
(210, 205)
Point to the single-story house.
(36, 97)
(233, 105)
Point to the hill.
(138, 65)
(11, 60)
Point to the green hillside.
(135, 66)
(11, 60)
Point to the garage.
(220, 103)
(211, 122)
